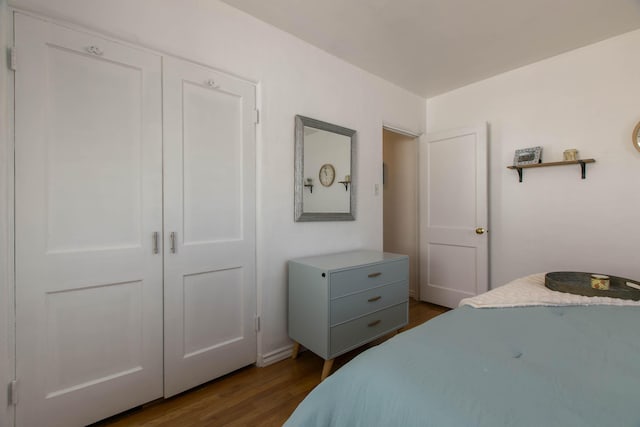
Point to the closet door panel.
(209, 181)
(88, 200)
(212, 165)
(205, 328)
(94, 133)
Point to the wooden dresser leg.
(296, 349)
(326, 369)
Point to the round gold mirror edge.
(635, 137)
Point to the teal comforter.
(528, 366)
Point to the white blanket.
(530, 291)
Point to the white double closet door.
(135, 225)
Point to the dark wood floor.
(250, 396)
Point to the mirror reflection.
(324, 171)
(327, 162)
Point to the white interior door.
(209, 181)
(454, 242)
(88, 199)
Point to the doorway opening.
(400, 199)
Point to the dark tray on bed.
(580, 284)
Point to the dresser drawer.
(362, 278)
(355, 305)
(359, 331)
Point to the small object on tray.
(579, 283)
(634, 285)
(600, 282)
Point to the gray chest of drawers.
(341, 301)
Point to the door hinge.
(12, 58)
(257, 320)
(256, 117)
(13, 392)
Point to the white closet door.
(88, 200)
(209, 202)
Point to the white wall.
(295, 78)
(585, 99)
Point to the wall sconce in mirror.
(326, 151)
(308, 183)
(346, 182)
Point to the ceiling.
(433, 46)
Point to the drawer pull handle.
(374, 323)
(374, 299)
(374, 274)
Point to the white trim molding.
(402, 131)
(275, 356)
(7, 314)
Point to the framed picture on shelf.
(527, 156)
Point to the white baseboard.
(274, 356)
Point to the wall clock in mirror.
(327, 175)
(635, 137)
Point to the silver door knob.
(480, 230)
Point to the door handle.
(155, 242)
(481, 230)
(172, 240)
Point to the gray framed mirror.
(325, 159)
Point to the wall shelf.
(581, 162)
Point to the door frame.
(7, 193)
(7, 227)
(416, 136)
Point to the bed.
(520, 355)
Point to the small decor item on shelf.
(570, 154)
(528, 156)
(600, 282)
